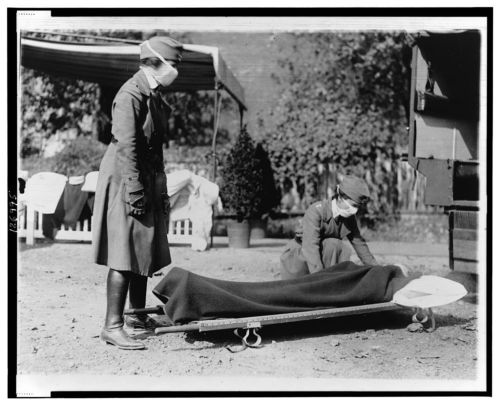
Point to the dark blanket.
(188, 296)
(75, 205)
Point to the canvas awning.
(112, 64)
(202, 67)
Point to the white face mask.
(346, 212)
(166, 73)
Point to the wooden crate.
(463, 247)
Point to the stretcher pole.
(193, 326)
(143, 311)
(257, 322)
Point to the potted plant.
(242, 189)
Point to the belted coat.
(133, 162)
(317, 225)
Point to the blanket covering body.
(188, 296)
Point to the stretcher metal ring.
(258, 340)
(244, 340)
(243, 345)
(419, 312)
(427, 315)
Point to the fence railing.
(30, 227)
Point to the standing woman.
(131, 202)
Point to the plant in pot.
(242, 189)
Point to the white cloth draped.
(44, 190)
(192, 197)
(90, 183)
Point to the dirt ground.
(61, 305)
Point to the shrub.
(242, 176)
(80, 156)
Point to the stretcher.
(247, 328)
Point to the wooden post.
(214, 155)
(216, 125)
(30, 224)
(327, 178)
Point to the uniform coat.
(133, 162)
(319, 240)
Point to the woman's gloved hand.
(138, 204)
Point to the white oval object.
(429, 291)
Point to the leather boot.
(113, 333)
(137, 299)
(141, 322)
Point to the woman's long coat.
(133, 162)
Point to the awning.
(111, 65)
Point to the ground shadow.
(42, 243)
(38, 245)
(142, 335)
(254, 244)
(266, 244)
(471, 298)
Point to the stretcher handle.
(177, 328)
(148, 310)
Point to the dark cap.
(168, 48)
(355, 188)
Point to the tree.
(342, 101)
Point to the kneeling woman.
(318, 243)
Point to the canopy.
(202, 67)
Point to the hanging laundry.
(74, 206)
(192, 197)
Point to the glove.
(137, 202)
